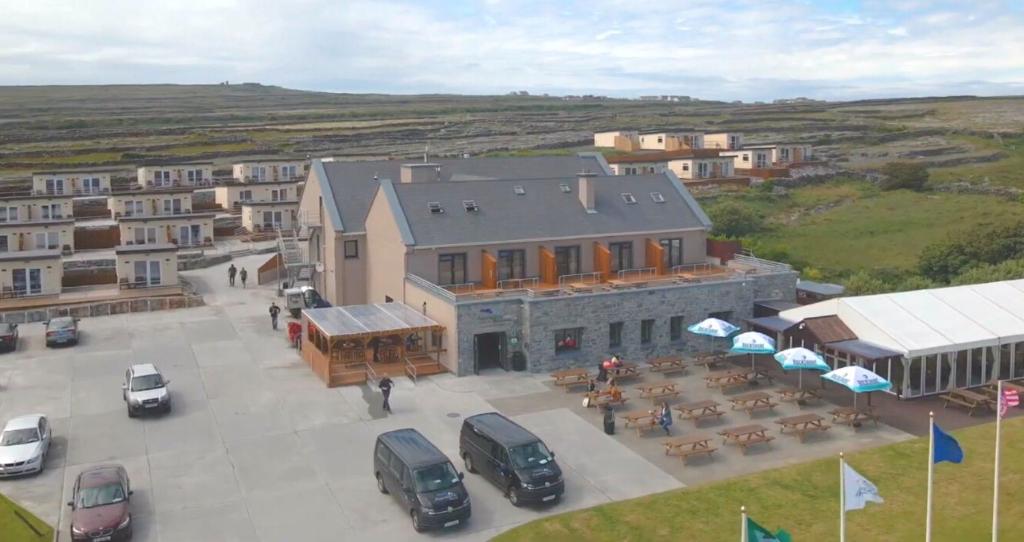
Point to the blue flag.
(946, 447)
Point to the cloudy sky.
(719, 49)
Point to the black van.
(511, 457)
(421, 478)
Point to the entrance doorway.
(489, 352)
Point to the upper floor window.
(567, 260)
(352, 249)
(289, 172)
(162, 177)
(451, 269)
(194, 176)
(259, 173)
(622, 255)
(54, 186)
(671, 252)
(511, 264)
(50, 211)
(8, 214)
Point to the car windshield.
(435, 477)
(530, 455)
(147, 382)
(100, 496)
(61, 324)
(15, 437)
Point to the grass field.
(804, 500)
(1005, 172)
(840, 227)
(13, 529)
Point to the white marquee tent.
(958, 336)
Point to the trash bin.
(609, 421)
(518, 361)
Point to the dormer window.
(519, 190)
(628, 198)
(657, 197)
(470, 205)
(435, 207)
(566, 189)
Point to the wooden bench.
(709, 360)
(802, 425)
(746, 436)
(658, 390)
(853, 416)
(604, 400)
(698, 411)
(967, 398)
(689, 446)
(571, 377)
(799, 396)
(666, 365)
(641, 420)
(654, 396)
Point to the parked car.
(145, 390)
(9, 336)
(511, 457)
(61, 330)
(421, 478)
(24, 443)
(99, 505)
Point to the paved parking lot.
(256, 448)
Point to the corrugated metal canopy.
(368, 319)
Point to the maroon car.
(99, 505)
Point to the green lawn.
(1005, 172)
(13, 529)
(804, 499)
(841, 227)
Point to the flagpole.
(931, 468)
(995, 484)
(743, 524)
(842, 498)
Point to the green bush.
(908, 175)
(732, 219)
(943, 261)
(1006, 270)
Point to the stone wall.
(104, 308)
(530, 324)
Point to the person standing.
(385, 386)
(274, 311)
(665, 418)
(232, 271)
(243, 275)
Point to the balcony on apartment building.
(655, 274)
(158, 212)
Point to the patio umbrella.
(858, 380)
(799, 359)
(752, 343)
(714, 328)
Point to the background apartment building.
(72, 183)
(176, 175)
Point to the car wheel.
(468, 461)
(167, 409)
(380, 484)
(513, 496)
(416, 522)
(131, 413)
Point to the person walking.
(385, 386)
(243, 275)
(232, 271)
(665, 418)
(274, 311)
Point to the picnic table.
(603, 398)
(666, 364)
(853, 416)
(758, 374)
(641, 420)
(699, 410)
(798, 395)
(571, 377)
(802, 425)
(745, 436)
(729, 378)
(658, 390)
(709, 359)
(753, 401)
(689, 446)
(627, 369)
(581, 287)
(969, 399)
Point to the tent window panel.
(1018, 360)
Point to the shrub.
(733, 219)
(907, 175)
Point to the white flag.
(859, 491)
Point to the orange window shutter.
(489, 270)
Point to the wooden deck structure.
(355, 344)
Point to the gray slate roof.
(820, 288)
(352, 184)
(543, 212)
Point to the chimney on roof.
(418, 173)
(587, 190)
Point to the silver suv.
(145, 390)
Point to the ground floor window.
(646, 331)
(27, 281)
(676, 325)
(147, 273)
(615, 334)
(568, 340)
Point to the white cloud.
(717, 49)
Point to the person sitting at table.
(614, 391)
(591, 385)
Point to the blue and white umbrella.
(713, 327)
(752, 343)
(858, 379)
(799, 359)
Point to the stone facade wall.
(530, 324)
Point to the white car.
(145, 390)
(23, 445)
